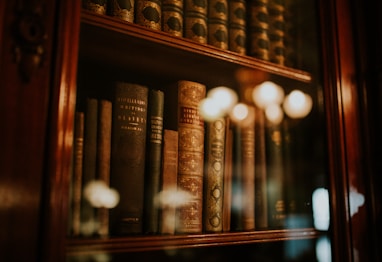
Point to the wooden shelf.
(83, 246)
(135, 48)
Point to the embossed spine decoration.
(258, 29)
(148, 13)
(214, 176)
(96, 6)
(195, 20)
(128, 157)
(122, 9)
(237, 26)
(172, 17)
(190, 156)
(217, 23)
(276, 31)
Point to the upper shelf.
(139, 49)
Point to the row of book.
(174, 172)
(258, 28)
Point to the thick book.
(148, 13)
(167, 196)
(122, 9)
(153, 160)
(258, 29)
(276, 31)
(190, 156)
(103, 158)
(195, 20)
(172, 17)
(96, 6)
(227, 183)
(214, 175)
(218, 23)
(237, 26)
(76, 188)
(128, 157)
(88, 216)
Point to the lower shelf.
(83, 246)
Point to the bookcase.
(65, 53)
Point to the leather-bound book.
(258, 29)
(214, 175)
(195, 20)
(128, 157)
(276, 32)
(148, 13)
(227, 183)
(153, 160)
(172, 17)
(190, 156)
(96, 6)
(218, 23)
(237, 22)
(122, 9)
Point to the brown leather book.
(149, 13)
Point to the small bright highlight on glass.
(274, 113)
(209, 109)
(100, 195)
(267, 93)
(323, 249)
(297, 104)
(239, 112)
(225, 97)
(320, 201)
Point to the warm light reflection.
(274, 113)
(100, 195)
(225, 96)
(210, 110)
(321, 212)
(297, 104)
(173, 198)
(267, 93)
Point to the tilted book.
(128, 156)
(218, 23)
(167, 196)
(195, 20)
(258, 29)
(172, 17)
(122, 9)
(190, 156)
(153, 159)
(214, 175)
(103, 158)
(237, 30)
(148, 13)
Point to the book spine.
(169, 181)
(195, 20)
(153, 159)
(190, 156)
(248, 173)
(276, 10)
(261, 202)
(172, 17)
(128, 157)
(149, 13)
(77, 172)
(122, 9)
(290, 37)
(96, 6)
(237, 22)
(218, 23)
(227, 195)
(103, 158)
(258, 29)
(214, 176)
(90, 158)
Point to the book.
(218, 23)
(214, 175)
(103, 158)
(190, 156)
(128, 157)
(261, 200)
(76, 187)
(258, 29)
(122, 9)
(168, 182)
(237, 23)
(88, 219)
(172, 17)
(153, 159)
(195, 20)
(96, 6)
(148, 13)
(276, 31)
(227, 183)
